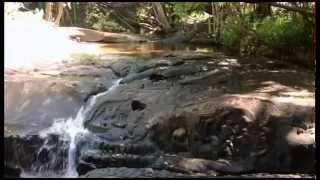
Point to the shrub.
(231, 33)
(283, 31)
(99, 20)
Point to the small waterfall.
(69, 130)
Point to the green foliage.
(99, 20)
(284, 30)
(231, 34)
(107, 25)
(182, 10)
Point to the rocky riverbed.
(176, 114)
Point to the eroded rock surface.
(197, 115)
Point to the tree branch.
(290, 8)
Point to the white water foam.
(70, 128)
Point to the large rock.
(32, 106)
(89, 35)
(270, 137)
(125, 172)
(209, 115)
(20, 152)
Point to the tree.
(293, 8)
(54, 12)
(48, 11)
(263, 10)
(60, 12)
(161, 16)
(123, 13)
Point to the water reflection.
(149, 49)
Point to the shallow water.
(150, 49)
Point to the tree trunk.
(219, 15)
(124, 21)
(74, 11)
(67, 16)
(289, 8)
(215, 20)
(314, 38)
(161, 17)
(263, 10)
(221, 24)
(48, 11)
(211, 19)
(209, 26)
(60, 13)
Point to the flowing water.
(70, 131)
(59, 153)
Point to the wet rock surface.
(32, 105)
(11, 172)
(131, 172)
(32, 153)
(194, 115)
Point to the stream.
(156, 110)
(72, 129)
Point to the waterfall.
(69, 129)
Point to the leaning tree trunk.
(60, 13)
(48, 11)
(161, 17)
(314, 38)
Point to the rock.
(122, 68)
(180, 70)
(87, 92)
(204, 166)
(192, 117)
(33, 105)
(163, 125)
(214, 140)
(285, 147)
(189, 55)
(137, 105)
(162, 74)
(11, 172)
(101, 159)
(225, 132)
(179, 133)
(20, 152)
(83, 70)
(137, 76)
(84, 167)
(83, 34)
(139, 149)
(110, 37)
(156, 77)
(159, 63)
(205, 76)
(119, 124)
(124, 172)
(203, 150)
(152, 65)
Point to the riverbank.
(177, 111)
